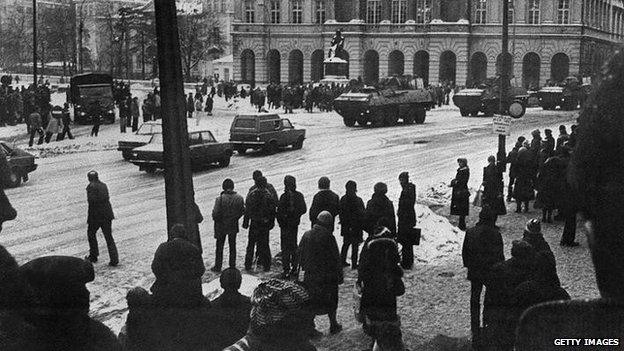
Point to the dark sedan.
(20, 164)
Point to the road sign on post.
(501, 125)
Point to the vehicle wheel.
(241, 150)
(15, 177)
(463, 112)
(150, 170)
(361, 121)
(421, 114)
(391, 117)
(271, 148)
(349, 122)
(299, 144)
(517, 109)
(224, 162)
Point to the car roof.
(260, 116)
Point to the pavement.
(52, 209)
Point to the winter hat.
(231, 279)
(486, 214)
(177, 260)
(323, 183)
(325, 218)
(533, 226)
(256, 174)
(548, 132)
(290, 182)
(59, 282)
(521, 139)
(535, 133)
(351, 186)
(261, 182)
(92, 175)
(228, 184)
(404, 175)
(380, 188)
(562, 128)
(272, 300)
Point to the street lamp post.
(504, 84)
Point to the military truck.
(567, 95)
(486, 99)
(383, 105)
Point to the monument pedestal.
(335, 71)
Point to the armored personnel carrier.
(567, 95)
(486, 99)
(393, 99)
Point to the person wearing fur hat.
(324, 200)
(290, 208)
(175, 316)
(58, 306)
(482, 249)
(351, 216)
(460, 198)
(377, 207)
(379, 279)
(228, 209)
(320, 260)
(230, 310)
(407, 219)
(545, 259)
(280, 319)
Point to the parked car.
(203, 147)
(264, 131)
(141, 137)
(20, 164)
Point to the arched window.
(481, 12)
(534, 12)
(320, 11)
(275, 11)
(398, 11)
(250, 11)
(563, 12)
(373, 11)
(297, 11)
(423, 11)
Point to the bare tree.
(200, 37)
(14, 46)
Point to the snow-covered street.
(52, 206)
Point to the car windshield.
(156, 139)
(149, 128)
(245, 123)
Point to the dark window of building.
(250, 12)
(423, 11)
(511, 12)
(399, 11)
(534, 12)
(297, 11)
(275, 11)
(481, 12)
(320, 11)
(563, 12)
(373, 11)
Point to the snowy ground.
(52, 206)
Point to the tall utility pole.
(178, 177)
(34, 11)
(504, 83)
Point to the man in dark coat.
(290, 208)
(523, 186)
(546, 267)
(512, 159)
(260, 219)
(320, 260)
(461, 196)
(228, 209)
(550, 187)
(95, 111)
(100, 216)
(58, 306)
(36, 126)
(597, 179)
(256, 175)
(66, 119)
(548, 143)
(351, 216)
(482, 249)
(190, 105)
(175, 316)
(493, 187)
(407, 220)
(379, 206)
(562, 139)
(230, 310)
(324, 200)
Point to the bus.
(85, 89)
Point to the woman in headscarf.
(461, 195)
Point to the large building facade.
(455, 41)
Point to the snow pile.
(439, 238)
(438, 195)
(72, 147)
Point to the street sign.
(501, 125)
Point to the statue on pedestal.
(337, 45)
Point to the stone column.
(284, 67)
(576, 11)
(548, 14)
(383, 66)
(285, 13)
(307, 11)
(544, 70)
(434, 68)
(307, 68)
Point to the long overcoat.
(461, 195)
(100, 209)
